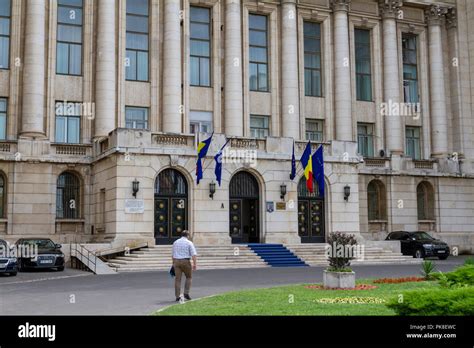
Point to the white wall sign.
(134, 206)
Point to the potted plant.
(340, 251)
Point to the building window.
(136, 63)
(68, 199)
(136, 118)
(3, 195)
(5, 18)
(258, 38)
(425, 201)
(200, 43)
(413, 143)
(363, 65)
(312, 59)
(376, 199)
(69, 38)
(3, 118)
(68, 122)
(259, 126)
(365, 139)
(200, 121)
(314, 130)
(410, 69)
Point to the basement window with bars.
(68, 200)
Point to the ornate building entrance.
(244, 209)
(171, 206)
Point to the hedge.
(440, 301)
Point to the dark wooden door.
(244, 209)
(311, 224)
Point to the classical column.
(439, 121)
(289, 70)
(106, 69)
(342, 71)
(172, 110)
(34, 70)
(391, 75)
(233, 109)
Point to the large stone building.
(100, 101)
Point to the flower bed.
(351, 300)
(357, 287)
(398, 280)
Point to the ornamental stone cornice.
(390, 8)
(435, 14)
(452, 18)
(340, 5)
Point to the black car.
(39, 253)
(8, 260)
(420, 244)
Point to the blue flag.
(203, 147)
(318, 169)
(218, 159)
(293, 163)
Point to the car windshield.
(41, 243)
(422, 236)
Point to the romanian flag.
(318, 169)
(203, 147)
(307, 163)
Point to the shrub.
(469, 261)
(427, 269)
(341, 247)
(461, 276)
(435, 302)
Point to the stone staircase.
(209, 257)
(315, 255)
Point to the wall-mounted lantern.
(135, 187)
(212, 189)
(282, 191)
(347, 192)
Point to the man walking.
(183, 252)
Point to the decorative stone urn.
(342, 280)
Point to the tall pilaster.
(439, 121)
(106, 69)
(172, 115)
(233, 108)
(391, 74)
(342, 72)
(32, 121)
(289, 67)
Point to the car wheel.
(419, 254)
(13, 273)
(444, 257)
(60, 269)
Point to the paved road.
(75, 292)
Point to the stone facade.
(110, 156)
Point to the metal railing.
(86, 257)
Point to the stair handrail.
(85, 253)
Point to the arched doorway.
(244, 209)
(171, 206)
(311, 224)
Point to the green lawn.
(278, 301)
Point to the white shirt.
(183, 248)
